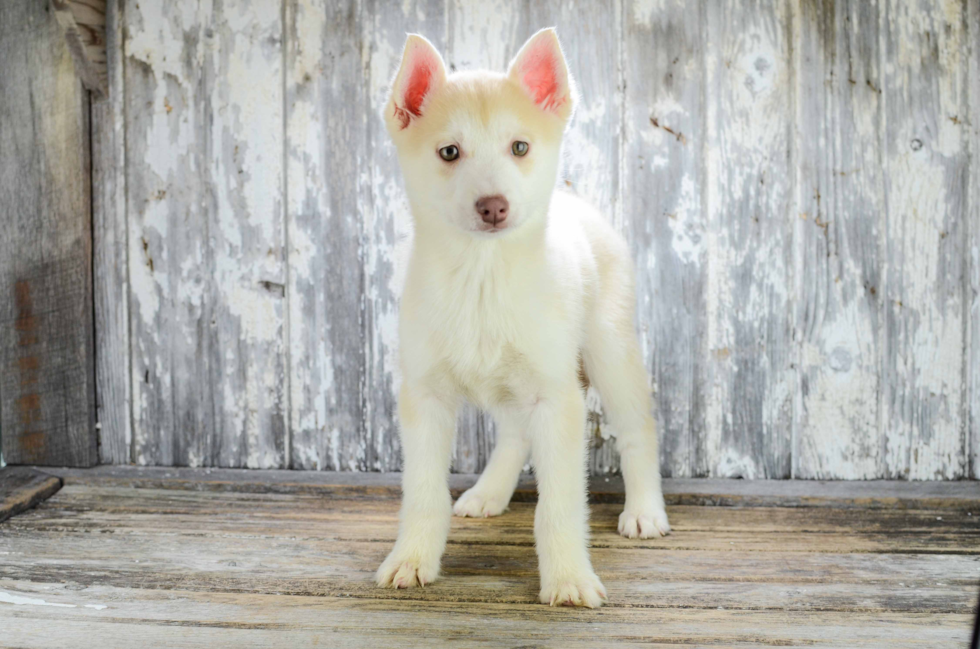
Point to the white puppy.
(512, 290)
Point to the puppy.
(511, 288)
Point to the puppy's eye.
(519, 148)
(449, 153)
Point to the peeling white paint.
(684, 223)
(731, 225)
(19, 600)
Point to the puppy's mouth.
(487, 228)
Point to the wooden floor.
(125, 558)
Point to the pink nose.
(493, 209)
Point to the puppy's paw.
(401, 570)
(479, 504)
(644, 523)
(583, 589)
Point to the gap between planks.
(871, 494)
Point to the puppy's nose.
(493, 209)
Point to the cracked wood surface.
(102, 563)
(798, 181)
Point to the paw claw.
(405, 572)
(477, 504)
(582, 590)
(645, 523)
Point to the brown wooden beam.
(22, 487)
(47, 367)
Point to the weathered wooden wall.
(798, 179)
(47, 375)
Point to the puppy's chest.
(484, 330)
(490, 343)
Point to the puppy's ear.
(422, 73)
(539, 68)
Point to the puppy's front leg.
(492, 492)
(427, 426)
(561, 520)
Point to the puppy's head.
(479, 150)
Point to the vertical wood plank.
(47, 378)
(662, 206)
(167, 202)
(246, 244)
(839, 190)
(386, 220)
(109, 235)
(327, 114)
(925, 91)
(972, 405)
(747, 199)
(206, 246)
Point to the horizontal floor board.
(77, 499)
(289, 566)
(223, 619)
(130, 510)
(488, 573)
(290, 557)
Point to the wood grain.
(244, 259)
(664, 215)
(207, 243)
(839, 196)
(803, 274)
(210, 619)
(972, 279)
(925, 159)
(110, 241)
(22, 488)
(750, 381)
(121, 561)
(47, 371)
(328, 110)
(167, 203)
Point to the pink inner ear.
(422, 66)
(540, 76)
(419, 81)
(418, 86)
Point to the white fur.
(502, 319)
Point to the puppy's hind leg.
(615, 366)
(428, 423)
(492, 492)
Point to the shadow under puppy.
(511, 287)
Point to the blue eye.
(449, 153)
(519, 148)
